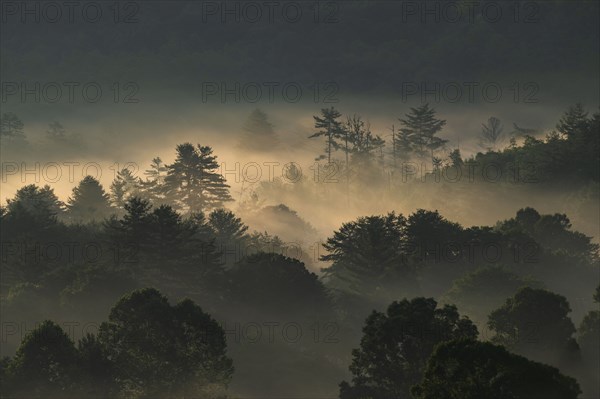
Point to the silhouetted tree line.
(147, 348)
(192, 182)
(374, 261)
(568, 153)
(430, 351)
(426, 253)
(170, 231)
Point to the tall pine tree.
(88, 202)
(419, 132)
(153, 187)
(193, 183)
(123, 187)
(258, 133)
(329, 127)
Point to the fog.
(348, 199)
(108, 138)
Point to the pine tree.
(130, 233)
(192, 182)
(491, 133)
(170, 236)
(117, 193)
(420, 129)
(153, 187)
(330, 128)
(573, 121)
(216, 190)
(230, 233)
(456, 158)
(397, 152)
(226, 226)
(258, 133)
(35, 205)
(89, 201)
(361, 144)
(123, 187)
(403, 146)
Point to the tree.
(157, 170)
(552, 232)
(153, 187)
(204, 231)
(428, 234)
(258, 132)
(45, 364)
(272, 285)
(420, 129)
(56, 131)
(485, 289)
(4, 377)
(573, 121)
(360, 142)
(117, 193)
(353, 128)
(154, 240)
(88, 202)
(159, 349)
(265, 242)
(35, 207)
(123, 187)
(491, 133)
(11, 126)
(589, 334)
(535, 322)
(329, 127)
(230, 233)
(468, 369)
(170, 237)
(396, 345)
(403, 144)
(367, 258)
(136, 220)
(456, 158)
(98, 374)
(582, 146)
(526, 218)
(192, 182)
(30, 220)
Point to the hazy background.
(360, 54)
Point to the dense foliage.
(171, 230)
(467, 369)
(147, 348)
